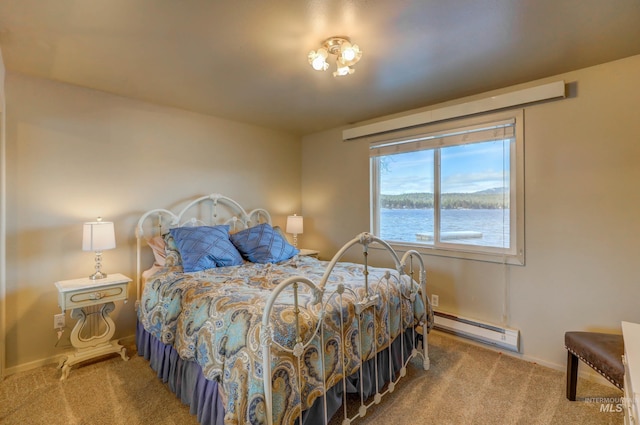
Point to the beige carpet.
(465, 385)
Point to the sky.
(465, 169)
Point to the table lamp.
(294, 226)
(98, 236)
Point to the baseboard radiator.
(506, 338)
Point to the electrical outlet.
(58, 321)
(435, 300)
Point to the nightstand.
(91, 302)
(309, 253)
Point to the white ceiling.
(246, 60)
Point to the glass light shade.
(350, 54)
(98, 236)
(318, 60)
(295, 224)
(342, 70)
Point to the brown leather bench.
(603, 352)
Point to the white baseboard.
(24, 367)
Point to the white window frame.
(426, 137)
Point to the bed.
(245, 330)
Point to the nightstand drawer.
(85, 292)
(85, 297)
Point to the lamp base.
(98, 275)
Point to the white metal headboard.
(208, 210)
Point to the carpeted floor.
(466, 384)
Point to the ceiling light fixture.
(347, 55)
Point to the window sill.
(511, 259)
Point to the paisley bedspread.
(214, 318)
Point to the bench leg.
(572, 375)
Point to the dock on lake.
(447, 236)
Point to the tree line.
(477, 200)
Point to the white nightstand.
(87, 298)
(309, 253)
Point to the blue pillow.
(263, 244)
(205, 247)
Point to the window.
(453, 189)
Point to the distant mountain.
(485, 199)
(494, 190)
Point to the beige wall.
(582, 210)
(74, 154)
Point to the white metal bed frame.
(224, 210)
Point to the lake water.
(404, 224)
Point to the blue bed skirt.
(185, 378)
(186, 381)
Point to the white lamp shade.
(98, 236)
(294, 224)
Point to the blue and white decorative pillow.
(263, 244)
(205, 247)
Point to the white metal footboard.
(320, 300)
